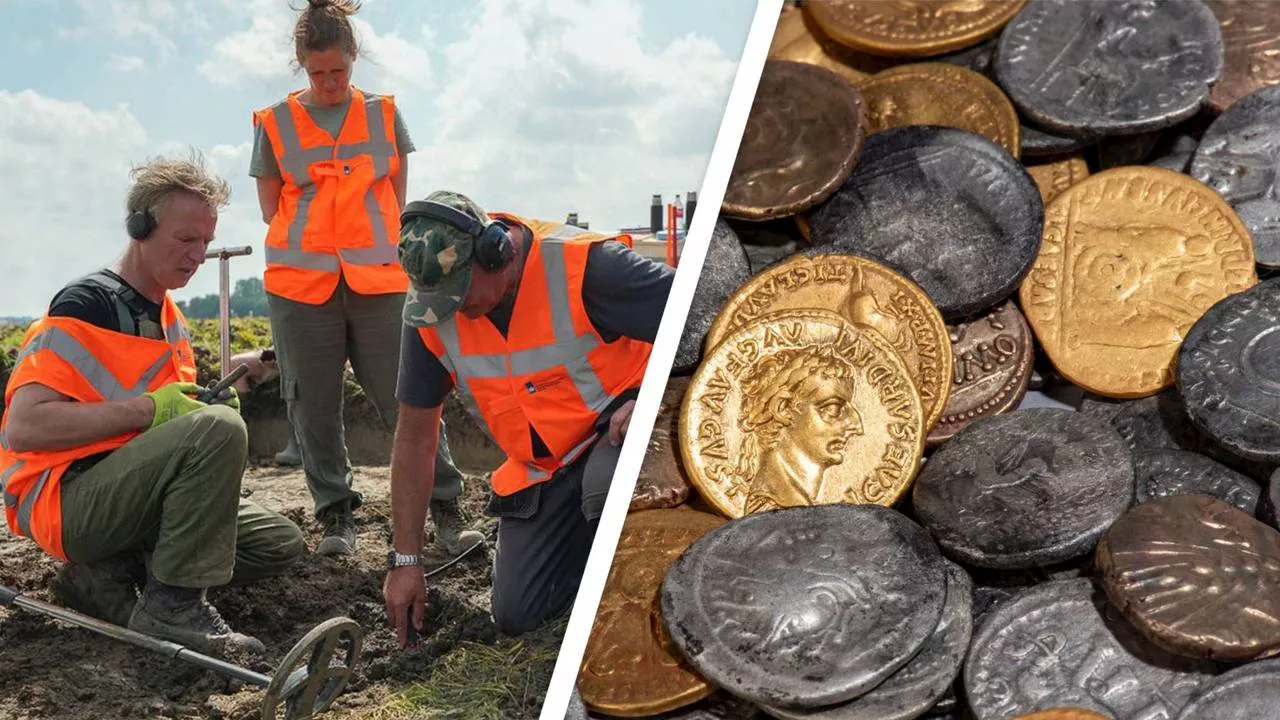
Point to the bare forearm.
(413, 472)
(62, 425)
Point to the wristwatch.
(398, 559)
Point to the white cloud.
(125, 63)
(154, 25)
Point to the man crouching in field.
(109, 461)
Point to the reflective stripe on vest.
(9, 500)
(296, 161)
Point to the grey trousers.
(544, 538)
(313, 344)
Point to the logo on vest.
(532, 388)
(346, 169)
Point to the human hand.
(228, 397)
(405, 594)
(620, 422)
(174, 400)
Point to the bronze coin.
(797, 37)
(1251, 39)
(1196, 576)
(916, 28)
(1063, 714)
(801, 141)
(992, 358)
(662, 482)
(1053, 178)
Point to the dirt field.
(463, 669)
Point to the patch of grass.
(482, 682)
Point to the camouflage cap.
(437, 258)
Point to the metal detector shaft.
(10, 598)
(224, 256)
(215, 389)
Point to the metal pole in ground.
(224, 256)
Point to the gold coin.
(1052, 178)
(1131, 258)
(630, 668)
(801, 408)
(915, 28)
(798, 38)
(1063, 714)
(941, 94)
(864, 292)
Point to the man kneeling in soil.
(548, 350)
(108, 460)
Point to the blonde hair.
(155, 181)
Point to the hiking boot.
(290, 456)
(339, 530)
(452, 536)
(106, 590)
(184, 616)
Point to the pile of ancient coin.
(978, 403)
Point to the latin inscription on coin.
(1055, 177)
(630, 667)
(795, 151)
(1196, 576)
(1024, 489)
(724, 270)
(1099, 67)
(1251, 691)
(805, 606)
(1239, 157)
(940, 94)
(1251, 37)
(1229, 372)
(1060, 645)
(912, 27)
(799, 408)
(1131, 258)
(662, 482)
(992, 360)
(1161, 473)
(950, 209)
(866, 293)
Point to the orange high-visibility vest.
(338, 214)
(88, 364)
(552, 372)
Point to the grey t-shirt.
(262, 162)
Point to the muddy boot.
(452, 536)
(290, 456)
(107, 590)
(184, 616)
(339, 530)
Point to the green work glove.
(228, 397)
(174, 400)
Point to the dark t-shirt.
(84, 301)
(624, 294)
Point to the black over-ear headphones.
(494, 249)
(140, 224)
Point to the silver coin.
(1228, 372)
(1270, 503)
(1160, 473)
(1239, 157)
(724, 270)
(918, 685)
(948, 208)
(576, 710)
(1061, 645)
(1109, 67)
(1178, 158)
(1025, 489)
(1249, 692)
(719, 705)
(805, 607)
(1039, 143)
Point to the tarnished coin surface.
(1024, 489)
(1037, 142)
(1063, 714)
(723, 271)
(1178, 158)
(805, 606)
(795, 150)
(1229, 372)
(576, 710)
(916, 28)
(950, 209)
(1161, 473)
(1270, 502)
(1251, 37)
(917, 686)
(662, 482)
(1251, 691)
(1196, 576)
(977, 58)
(992, 358)
(1061, 645)
(801, 407)
(1054, 178)
(798, 38)
(1109, 67)
(1131, 259)
(1239, 157)
(944, 95)
(720, 705)
(629, 668)
(864, 292)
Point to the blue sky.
(539, 107)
